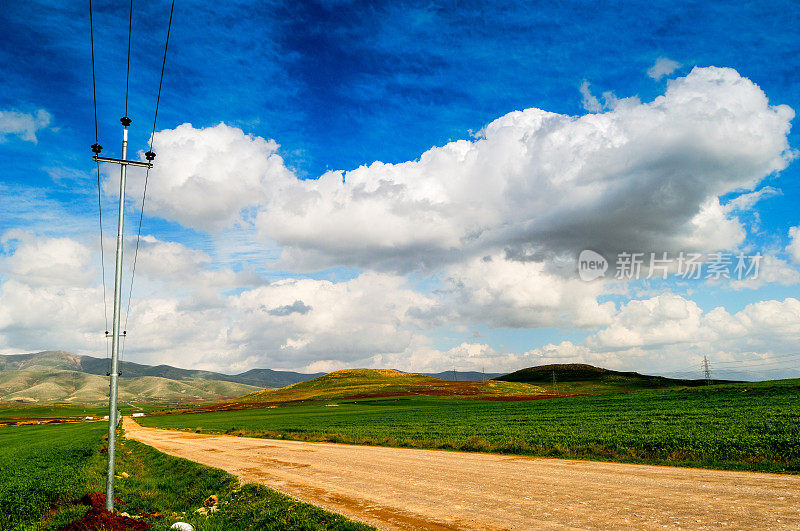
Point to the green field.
(46, 470)
(43, 467)
(753, 426)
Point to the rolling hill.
(35, 385)
(376, 383)
(61, 360)
(578, 377)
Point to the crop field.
(753, 426)
(43, 467)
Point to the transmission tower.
(706, 370)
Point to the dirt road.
(396, 488)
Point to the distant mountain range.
(62, 376)
(59, 376)
(37, 386)
(66, 361)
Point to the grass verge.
(46, 470)
(162, 489)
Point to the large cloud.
(289, 323)
(48, 301)
(642, 176)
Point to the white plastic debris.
(182, 526)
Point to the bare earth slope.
(398, 488)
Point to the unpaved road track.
(398, 488)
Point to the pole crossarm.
(123, 162)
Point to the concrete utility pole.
(113, 414)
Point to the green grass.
(168, 489)
(42, 467)
(46, 470)
(754, 426)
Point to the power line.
(149, 156)
(97, 148)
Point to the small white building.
(89, 418)
(137, 415)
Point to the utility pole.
(455, 377)
(554, 380)
(113, 417)
(706, 370)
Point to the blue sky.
(342, 84)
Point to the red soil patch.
(99, 518)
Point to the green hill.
(376, 383)
(578, 377)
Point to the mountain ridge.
(36, 386)
(63, 360)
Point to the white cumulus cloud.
(207, 178)
(641, 176)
